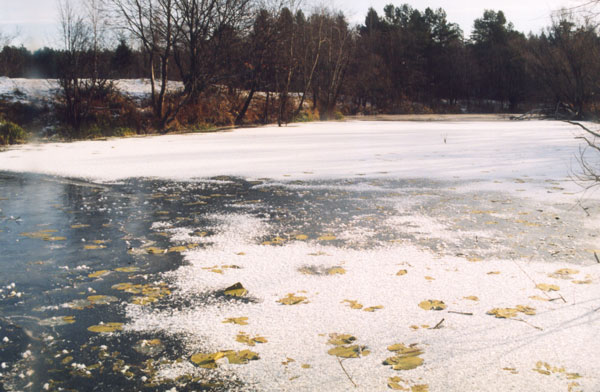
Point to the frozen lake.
(442, 256)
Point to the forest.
(239, 62)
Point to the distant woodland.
(240, 62)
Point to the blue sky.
(36, 19)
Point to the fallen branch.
(438, 325)
(463, 313)
(583, 127)
(347, 375)
(526, 322)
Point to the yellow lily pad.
(99, 274)
(563, 273)
(207, 361)
(353, 304)
(336, 271)
(57, 321)
(292, 299)
(340, 339)
(404, 362)
(547, 287)
(432, 304)
(354, 351)
(402, 272)
(237, 290)
(587, 281)
(249, 340)
(106, 328)
(526, 310)
(327, 237)
(302, 237)
(127, 269)
(93, 247)
(236, 320)
(155, 251)
(511, 312)
(241, 357)
(101, 299)
(407, 351)
(372, 308)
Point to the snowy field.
(416, 256)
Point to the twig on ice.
(347, 375)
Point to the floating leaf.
(402, 272)
(432, 304)
(503, 312)
(336, 271)
(372, 308)
(292, 299)
(143, 301)
(408, 351)
(404, 363)
(354, 351)
(79, 226)
(101, 299)
(474, 259)
(127, 269)
(93, 247)
(78, 304)
(99, 274)
(563, 273)
(237, 290)
(236, 320)
(327, 237)
(241, 357)
(106, 328)
(547, 287)
(588, 281)
(353, 304)
(207, 361)
(57, 321)
(155, 251)
(340, 339)
(526, 310)
(394, 383)
(305, 366)
(472, 298)
(149, 347)
(302, 237)
(511, 312)
(248, 340)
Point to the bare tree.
(207, 29)
(153, 23)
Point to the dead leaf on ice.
(547, 287)
(432, 304)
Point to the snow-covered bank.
(521, 152)
(43, 90)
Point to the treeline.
(239, 62)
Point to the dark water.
(55, 234)
(65, 245)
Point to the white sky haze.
(36, 19)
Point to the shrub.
(11, 133)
